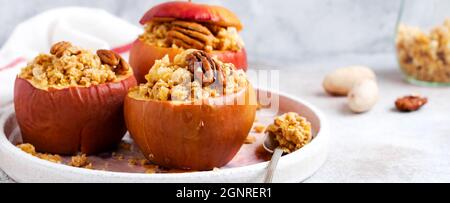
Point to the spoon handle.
(273, 165)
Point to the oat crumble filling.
(181, 80)
(68, 65)
(291, 131)
(425, 56)
(195, 35)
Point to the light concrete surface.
(382, 145)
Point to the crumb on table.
(81, 161)
(259, 128)
(250, 139)
(30, 149)
(125, 146)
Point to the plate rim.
(324, 126)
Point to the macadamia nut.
(341, 81)
(363, 96)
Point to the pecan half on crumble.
(68, 65)
(205, 68)
(192, 75)
(191, 35)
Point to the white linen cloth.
(86, 27)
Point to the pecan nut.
(60, 48)
(108, 57)
(215, 29)
(192, 26)
(410, 103)
(184, 41)
(117, 63)
(190, 35)
(123, 66)
(205, 68)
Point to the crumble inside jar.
(193, 75)
(425, 56)
(68, 65)
(188, 34)
(291, 131)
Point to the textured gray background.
(285, 29)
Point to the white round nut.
(363, 96)
(340, 81)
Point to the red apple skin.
(238, 58)
(193, 12)
(189, 136)
(143, 56)
(74, 119)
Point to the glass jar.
(423, 41)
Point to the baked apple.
(71, 100)
(194, 112)
(173, 27)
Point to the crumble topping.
(193, 75)
(68, 65)
(187, 35)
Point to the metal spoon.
(271, 146)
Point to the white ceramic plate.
(295, 167)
